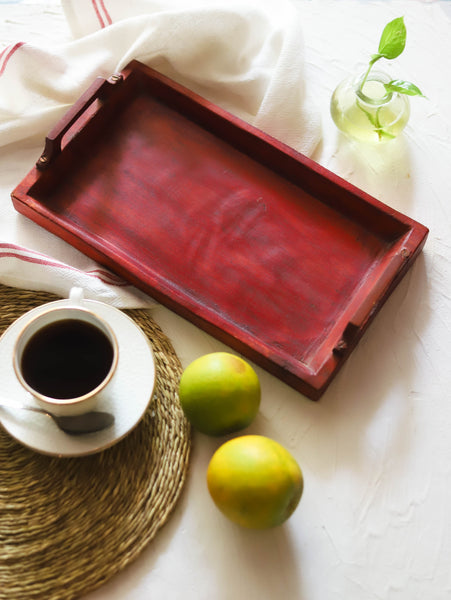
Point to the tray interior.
(279, 262)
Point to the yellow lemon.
(255, 481)
(219, 393)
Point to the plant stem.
(370, 66)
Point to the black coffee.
(67, 359)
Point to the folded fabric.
(29, 269)
(245, 56)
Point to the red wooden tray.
(258, 245)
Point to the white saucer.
(129, 393)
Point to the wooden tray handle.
(372, 302)
(98, 90)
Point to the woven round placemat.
(69, 524)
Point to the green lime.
(219, 393)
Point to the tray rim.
(296, 373)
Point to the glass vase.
(369, 113)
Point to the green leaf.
(393, 39)
(403, 87)
(375, 122)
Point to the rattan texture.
(67, 525)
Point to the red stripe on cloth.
(107, 277)
(6, 55)
(104, 19)
(97, 11)
(40, 259)
(105, 12)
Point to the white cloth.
(246, 56)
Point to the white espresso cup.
(66, 356)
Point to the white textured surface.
(374, 522)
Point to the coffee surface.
(67, 359)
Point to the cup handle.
(76, 295)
